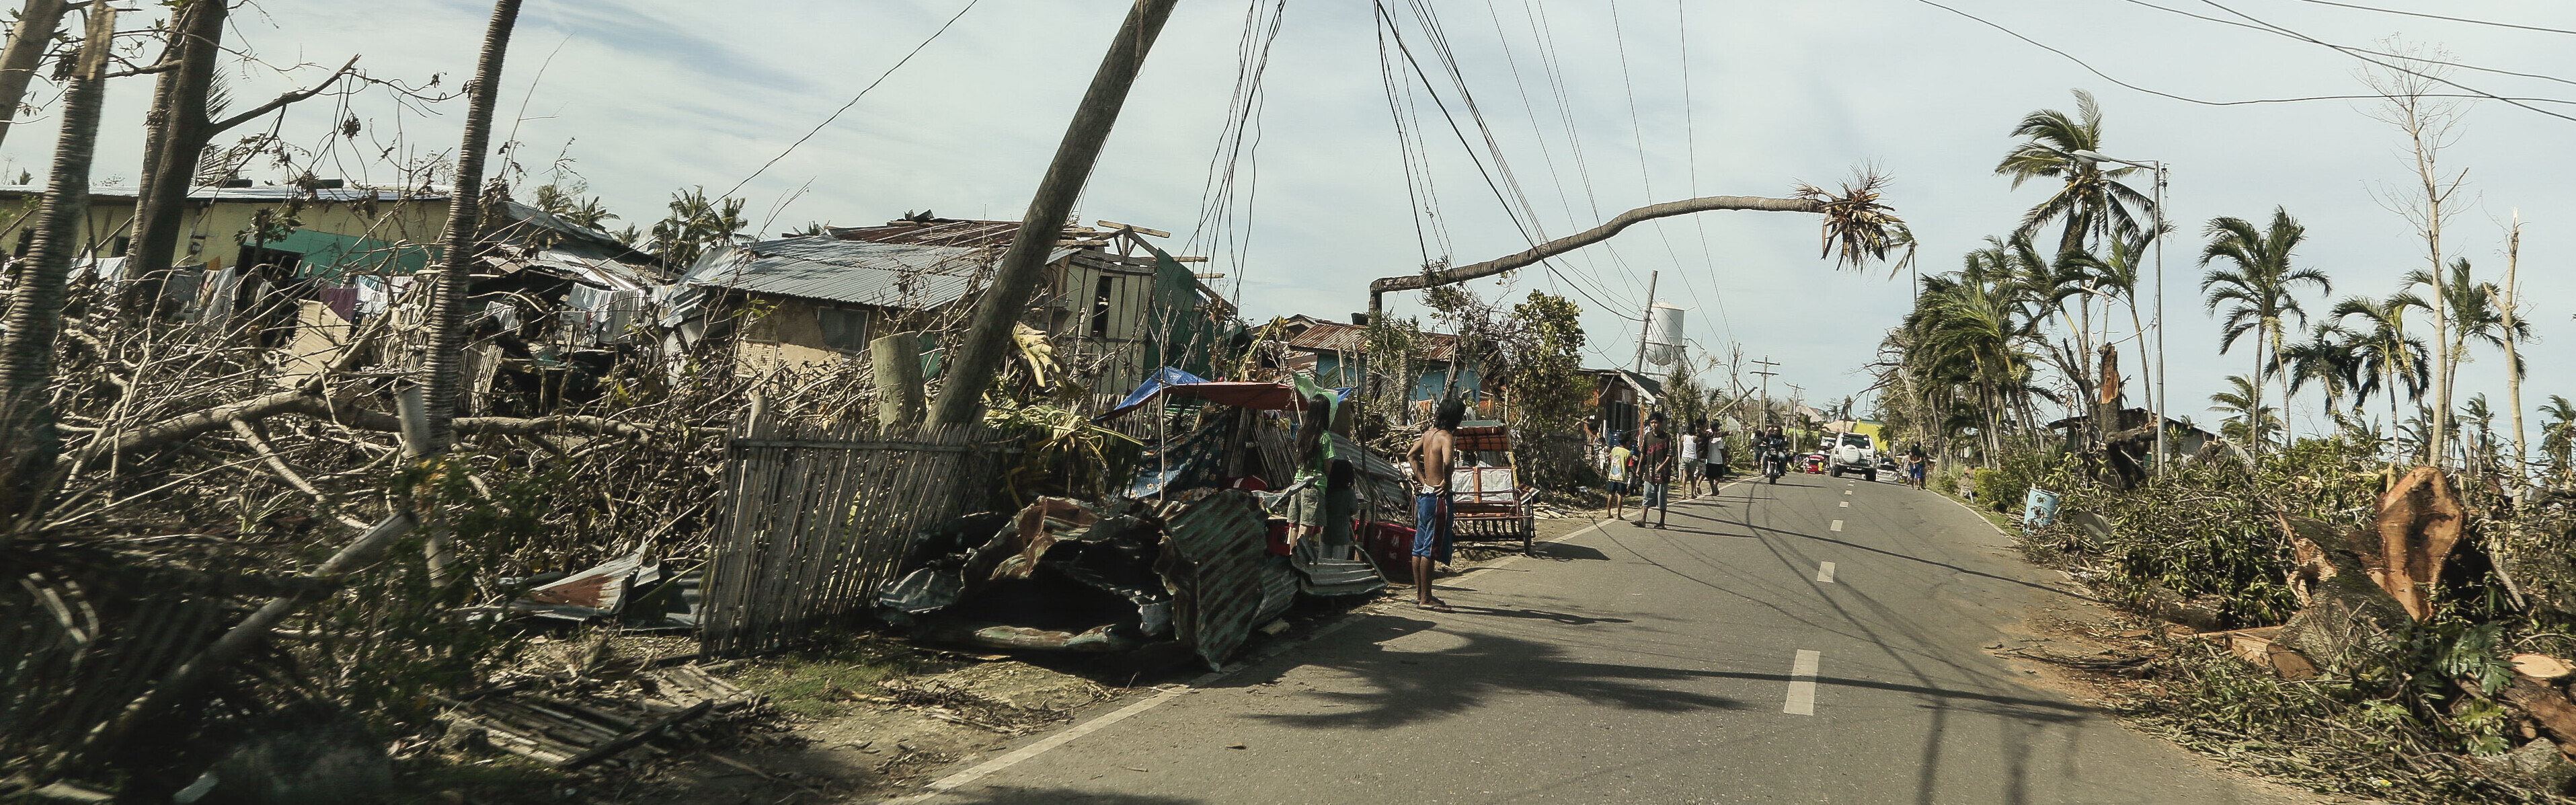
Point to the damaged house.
(1114, 306)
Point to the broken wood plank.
(621, 743)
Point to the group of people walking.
(1647, 463)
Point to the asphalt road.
(1719, 660)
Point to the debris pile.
(1061, 575)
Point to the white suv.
(1854, 452)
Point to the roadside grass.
(821, 682)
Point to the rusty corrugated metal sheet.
(1214, 555)
(1330, 337)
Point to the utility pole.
(1648, 323)
(1766, 386)
(979, 357)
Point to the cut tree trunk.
(2419, 522)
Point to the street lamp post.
(2160, 400)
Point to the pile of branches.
(209, 474)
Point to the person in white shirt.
(1690, 464)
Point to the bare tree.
(2409, 100)
(180, 124)
(37, 22)
(28, 443)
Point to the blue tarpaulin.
(1166, 376)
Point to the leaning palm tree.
(2248, 421)
(2259, 289)
(2092, 203)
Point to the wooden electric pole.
(976, 361)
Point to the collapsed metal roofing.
(854, 272)
(1326, 336)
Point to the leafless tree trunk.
(178, 128)
(2431, 124)
(28, 443)
(2508, 296)
(37, 22)
(445, 364)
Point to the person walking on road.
(1915, 464)
(1617, 475)
(1433, 456)
(1657, 466)
(1690, 463)
(1712, 452)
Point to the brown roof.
(1330, 337)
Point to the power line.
(2440, 17)
(2392, 66)
(2253, 27)
(1406, 51)
(2088, 67)
(854, 99)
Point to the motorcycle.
(1774, 463)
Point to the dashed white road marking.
(1825, 572)
(1847, 491)
(1846, 505)
(1802, 684)
(1838, 525)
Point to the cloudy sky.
(1586, 99)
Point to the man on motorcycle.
(1774, 447)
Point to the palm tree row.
(1967, 357)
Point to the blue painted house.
(1340, 353)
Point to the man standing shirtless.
(1432, 457)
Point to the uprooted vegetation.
(209, 474)
(2362, 628)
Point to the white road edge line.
(980, 771)
(1838, 525)
(1825, 572)
(1802, 684)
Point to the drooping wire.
(1395, 33)
(1220, 228)
(1690, 138)
(854, 99)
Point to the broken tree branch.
(281, 101)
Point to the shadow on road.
(1560, 550)
(1410, 687)
(1535, 614)
(999, 795)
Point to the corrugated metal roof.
(857, 272)
(1214, 564)
(258, 193)
(971, 234)
(1330, 337)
